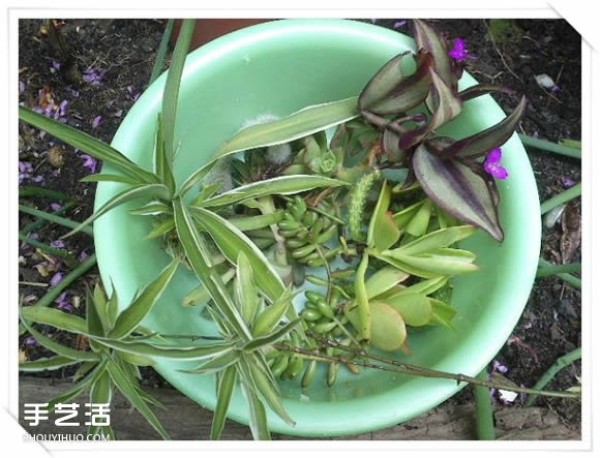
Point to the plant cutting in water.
(355, 206)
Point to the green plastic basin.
(278, 68)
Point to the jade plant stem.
(484, 412)
(559, 365)
(550, 146)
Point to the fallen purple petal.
(56, 278)
(568, 182)
(63, 303)
(73, 92)
(83, 256)
(498, 367)
(57, 244)
(21, 87)
(97, 121)
(31, 341)
(63, 108)
(56, 64)
(94, 76)
(38, 179)
(399, 24)
(492, 164)
(55, 207)
(89, 162)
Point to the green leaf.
(225, 386)
(385, 80)
(387, 328)
(133, 315)
(78, 388)
(439, 261)
(404, 216)
(101, 391)
(172, 352)
(442, 313)
(163, 227)
(414, 308)
(251, 223)
(99, 301)
(135, 359)
(87, 144)
(269, 318)
(246, 292)
(437, 239)
(47, 364)
(200, 295)
(109, 177)
(134, 192)
(483, 142)
(171, 94)
(383, 280)
(431, 41)
(162, 161)
(419, 223)
(426, 287)
(120, 379)
(112, 308)
(231, 242)
(217, 363)
(300, 124)
(59, 349)
(151, 209)
(199, 258)
(383, 231)
(364, 315)
(55, 318)
(270, 339)
(457, 190)
(291, 184)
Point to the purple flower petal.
(57, 244)
(31, 341)
(89, 162)
(492, 164)
(83, 256)
(498, 367)
(56, 278)
(63, 108)
(56, 65)
(459, 51)
(55, 206)
(97, 121)
(63, 303)
(93, 76)
(21, 87)
(399, 24)
(568, 182)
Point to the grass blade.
(47, 364)
(162, 51)
(120, 379)
(109, 177)
(226, 384)
(87, 144)
(162, 163)
(132, 316)
(53, 218)
(134, 192)
(55, 318)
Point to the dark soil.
(126, 50)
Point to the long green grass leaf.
(87, 144)
(46, 364)
(55, 318)
(162, 162)
(133, 315)
(159, 62)
(98, 177)
(225, 387)
(149, 191)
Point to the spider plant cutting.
(324, 233)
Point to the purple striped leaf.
(482, 89)
(431, 41)
(459, 191)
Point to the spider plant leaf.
(271, 338)
(217, 363)
(60, 349)
(405, 216)
(200, 295)
(151, 209)
(409, 93)
(302, 123)
(122, 382)
(133, 315)
(55, 318)
(457, 190)
(162, 162)
(199, 258)
(209, 349)
(78, 388)
(99, 301)
(225, 386)
(259, 425)
(231, 242)
(446, 107)
(441, 238)
(251, 223)
(383, 280)
(164, 227)
(426, 287)
(291, 184)
(246, 292)
(270, 317)
(87, 144)
(483, 142)
(442, 313)
(47, 364)
(98, 177)
(134, 359)
(171, 93)
(133, 192)
(101, 389)
(383, 231)
(112, 308)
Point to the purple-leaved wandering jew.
(492, 164)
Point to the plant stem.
(555, 269)
(550, 146)
(573, 281)
(28, 191)
(561, 198)
(54, 219)
(64, 254)
(159, 63)
(484, 411)
(82, 268)
(560, 364)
